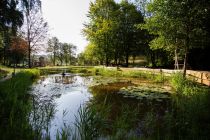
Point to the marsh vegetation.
(101, 103)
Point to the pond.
(57, 99)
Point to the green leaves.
(112, 29)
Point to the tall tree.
(64, 52)
(178, 24)
(11, 18)
(18, 49)
(130, 17)
(34, 29)
(112, 29)
(99, 30)
(53, 46)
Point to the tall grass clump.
(190, 108)
(135, 74)
(186, 118)
(15, 105)
(107, 72)
(92, 121)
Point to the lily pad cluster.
(145, 93)
(97, 81)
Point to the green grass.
(15, 105)
(118, 73)
(188, 117)
(83, 70)
(10, 70)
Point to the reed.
(15, 105)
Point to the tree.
(177, 24)
(99, 31)
(112, 29)
(34, 29)
(18, 49)
(131, 35)
(53, 46)
(11, 18)
(91, 55)
(62, 51)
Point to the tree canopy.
(112, 30)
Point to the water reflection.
(56, 100)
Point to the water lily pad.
(145, 93)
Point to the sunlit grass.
(10, 69)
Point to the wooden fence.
(202, 77)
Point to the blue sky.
(66, 18)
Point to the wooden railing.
(202, 77)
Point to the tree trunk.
(4, 55)
(29, 56)
(185, 62)
(152, 56)
(28, 37)
(5, 45)
(176, 64)
(185, 58)
(107, 61)
(54, 58)
(134, 58)
(126, 58)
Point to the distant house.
(40, 62)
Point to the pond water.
(57, 99)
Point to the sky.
(66, 19)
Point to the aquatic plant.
(15, 105)
(145, 93)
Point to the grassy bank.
(15, 105)
(188, 116)
(84, 70)
(191, 112)
(185, 117)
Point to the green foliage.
(177, 27)
(107, 72)
(187, 117)
(114, 72)
(112, 31)
(178, 82)
(90, 122)
(62, 52)
(15, 105)
(91, 57)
